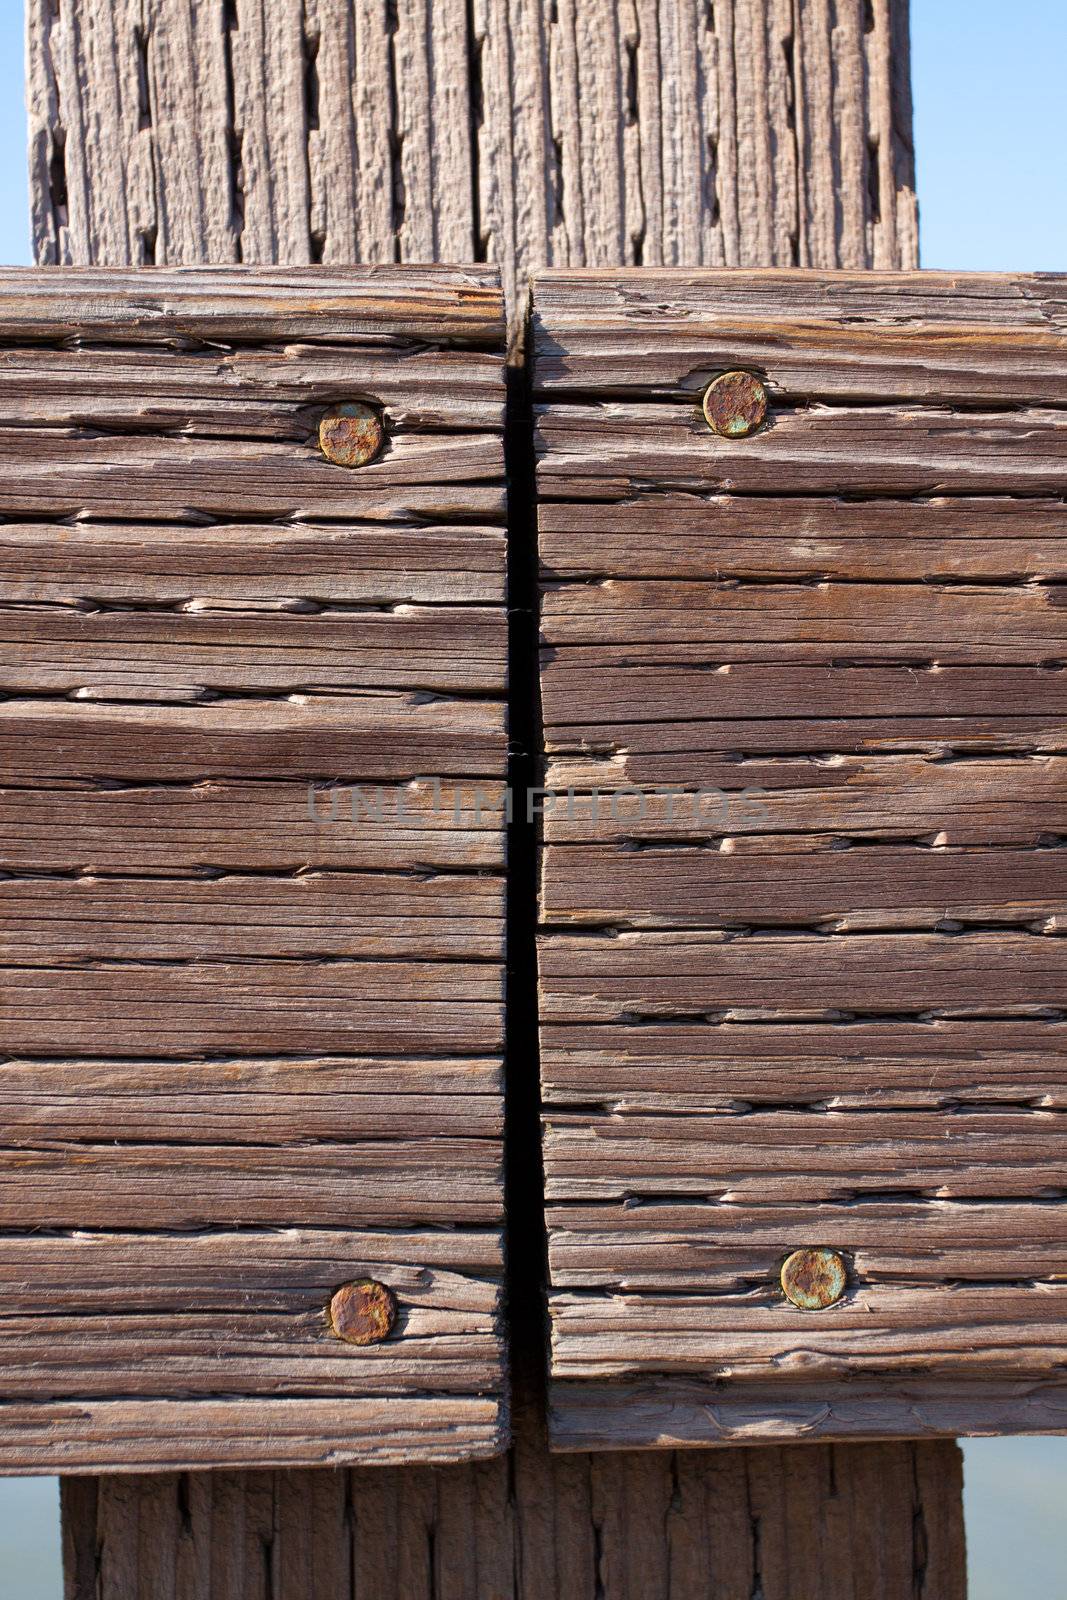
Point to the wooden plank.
(858, 336)
(799, 983)
(160, 478)
(363, 738)
(87, 1435)
(826, 622)
(393, 1184)
(232, 1083)
(937, 802)
(268, 1101)
(145, 654)
(681, 1413)
(885, 1329)
(692, 753)
(253, 564)
(840, 1156)
(694, 1247)
(210, 825)
(399, 1529)
(606, 449)
(613, 685)
(186, 1335)
(801, 882)
(685, 535)
(253, 1006)
(245, 391)
(603, 977)
(46, 922)
(207, 304)
(692, 1065)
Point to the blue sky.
(992, 177)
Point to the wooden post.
(566, 132)
(526, 133)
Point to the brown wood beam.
(851, 1522)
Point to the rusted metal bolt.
(362, 1312)
(814, 1279)
(351, 434)
(735, 403)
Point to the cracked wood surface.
(884, 1519)
(253, 845)
(801, 980)
(328, 131)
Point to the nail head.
(813, 1279)
(351, 434)
(735, 403)
(362, 1312)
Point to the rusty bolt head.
(351, 434)
(814, 1279)
(362, 1312)
(735, 404)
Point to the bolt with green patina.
(814, 1279)
(351, 434)
(735, 403)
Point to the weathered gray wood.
(660, 622)
(401, 1181)
(269, 565)
(688, 535)
(313, 915)
(149, 654)
(708, 1249)
(241, 390)
(755, 134)
(214, 825)
(254, 1006)
(201, 306)
(588, 977)
(799, 973)
(360, 738)
(921, 798)
(789, 882)
(88, 1434)
(606, 448)
(231, 1082)
(676, 1412)
(896, 1062)
(884, 1519)
(933, 339)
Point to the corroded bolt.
(735, 403)
(351, 434)
(814, 1279)
(362, 1312)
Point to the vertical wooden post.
(526, 133)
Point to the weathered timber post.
(545, 133)
(565, 132)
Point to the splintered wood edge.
(437, 304)
(165, 1435)
(678, 1414)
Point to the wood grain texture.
(799, 968)
(851, 337)
(212, 825)
(252, 909)
(686, 535)
(338, 131)
(621, 1524)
